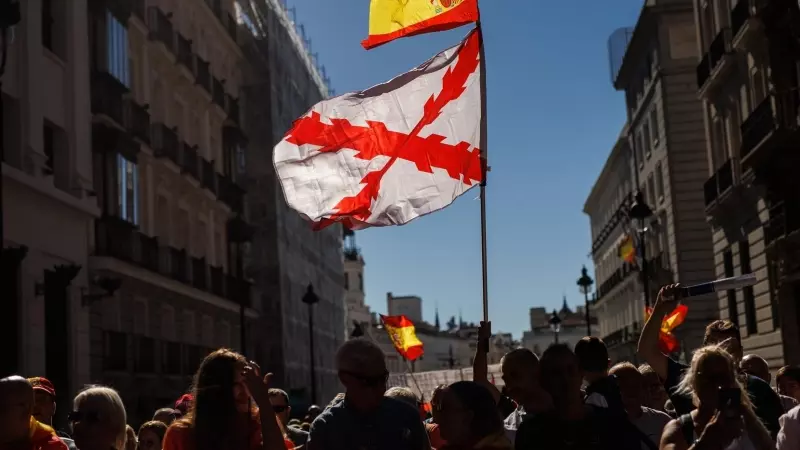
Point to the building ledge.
(43, 186)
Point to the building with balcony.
(48, 202)
(571, 329)
(748, 81)
(357, 314)
(618, 301)
(168, 160)
(281, 83)
(668, 160)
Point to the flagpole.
(414, 379)
(484, 173)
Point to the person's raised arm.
(648, 341)
(480, 364)
(271, 433)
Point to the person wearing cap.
(44, 406)
(18, 428)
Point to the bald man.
(18, 428)
(365, 418)
(758, 367)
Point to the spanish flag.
(393, 19)
(404, 337)
(667, 341)
(627, 250)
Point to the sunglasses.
(279, 408)
(370, 381)
(83, 416)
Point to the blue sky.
(553, 117)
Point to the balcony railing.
(784, 220)
(170, 358)
(719, 182)
(759, 124)
(149, 252)
(137, 121)
(177, 264)
(199, 277)
(217, 278)
(615, 279)
(119, 239)
(115, 351)
(716, 51)
(145, 361)
(185, 56)
(208, 175)
(107, 96)
(202, 73)
(218, 92)
(238, 290)
(161, 28)
(230, 194)
(710, 189)
(739, 15)
(165, 143)
(189, 161)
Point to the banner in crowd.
(427, 381)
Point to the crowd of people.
(565, 399)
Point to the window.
(361, 282)
(733, 309)
(140, 317)
(747, 293)
(651, 190)
(720, 149)
(117, 50)
(347, 281)
(654, 125)
(167, 323)
(128, 190)
(639, 143)
(646, 140)
(49, 146)
(659, 182)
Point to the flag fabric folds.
(667, 341)
(391, 153)
(393, 19)
(627, 249)
(403, 335)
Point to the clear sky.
(553, 117)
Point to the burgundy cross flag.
(391, 153)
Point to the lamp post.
(585, 282)
(640, 211)
(555, 325)
(310, 299)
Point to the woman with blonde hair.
(723, 418)
(231, 409)
(98, 419)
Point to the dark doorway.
(56, 341)
(10, 320)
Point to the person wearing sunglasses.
(365, 419)
(18, 428)
(98, 419)
(280, 405)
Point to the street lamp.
(585, 282)
(310, 299)
(555, 325)
(640, 211)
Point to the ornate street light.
(310, 299)
(585, 282)
(640, 211)
(555, 325)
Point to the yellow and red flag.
(393, 19)
(667, 341)
(403, 335)
(627, 250)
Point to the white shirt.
(789, 436)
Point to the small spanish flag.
(404, 337)
(393, 19)
(627, 250)
(667, 341)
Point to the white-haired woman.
(723, 418)
(98, 419)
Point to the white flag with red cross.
(391, 153)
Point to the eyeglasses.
(277, 409)
(369, 380)
(83, 416)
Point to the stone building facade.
(281, 83)
(747, 79)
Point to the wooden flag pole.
(484, 173)
(413, 378)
